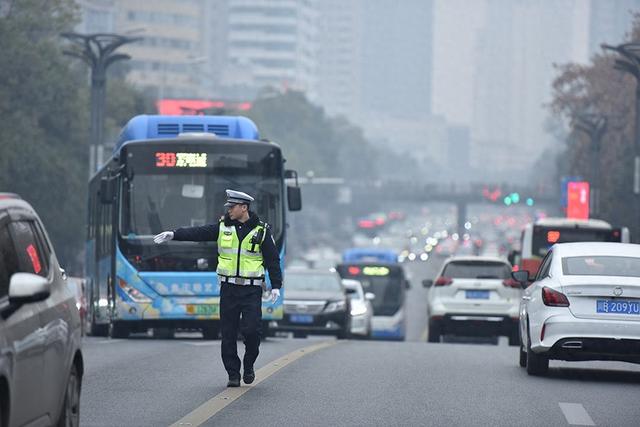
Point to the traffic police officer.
(245, 248)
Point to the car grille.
(304, 307)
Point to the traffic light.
(530, 201)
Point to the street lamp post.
(97, 51)
(595, 126)
(630, 63)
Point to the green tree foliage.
(601, 89)
(44, 119)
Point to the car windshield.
(477, 270)
(601, 266)
(321, 282)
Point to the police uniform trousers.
(240, 308)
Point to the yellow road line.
(217, 403)
(425, 334)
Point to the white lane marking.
(217, 403)
(576, 414)
(108, 341)
(201, 344)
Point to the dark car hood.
(312, 295)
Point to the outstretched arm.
(203, 233)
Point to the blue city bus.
(168, 172)
(380, 273)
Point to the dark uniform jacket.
(209, 233)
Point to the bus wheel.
(163, 333)
(118, 330)
(210, 332)
(97, 330)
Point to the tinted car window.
(477, 270)
(8, 260)
(30, 257)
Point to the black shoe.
(248, 376)
(233, 382)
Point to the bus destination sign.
(165, 159)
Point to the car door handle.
(526, 298)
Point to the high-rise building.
(340, 55)
(271, 43)
(178, 54)
(397, 58)
(516, 53)
(610, 21)
(97, 16)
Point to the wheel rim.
(72, 407)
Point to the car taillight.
(443, 281)
(511, 283)
(554, 298)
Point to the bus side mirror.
(522, 276)
(294, 198)
(107, 190)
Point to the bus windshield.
(164, 198)
(157, 197)
(545, 237)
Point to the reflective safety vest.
(241, 259)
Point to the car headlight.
(358, 309)
(132, 292)
(336, 306)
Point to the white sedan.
(361, 308)
(584, 304)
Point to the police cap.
(237, 197)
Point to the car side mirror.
(522, 276)
(427, 283)
(27, 287)
(369, 296)
(350, 291)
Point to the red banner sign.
(578, 200)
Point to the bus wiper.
(487, 276)
(153, 217)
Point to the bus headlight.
(133, 293)
(335, 306)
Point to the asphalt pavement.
(149, 382)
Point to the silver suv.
(41, 362)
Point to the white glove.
(275, 294)
(165, 236)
